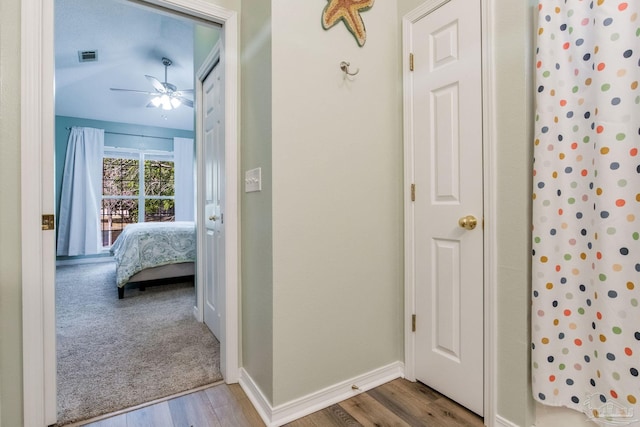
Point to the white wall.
(337, 198)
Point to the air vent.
(87, 55)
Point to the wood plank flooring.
(397, 403)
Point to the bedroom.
(145, 176)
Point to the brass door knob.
(468, 222)
(213, 218)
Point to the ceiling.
(131, 41)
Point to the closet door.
(213, 119)
(448, 234)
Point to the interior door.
(447, 168)
(213, 119)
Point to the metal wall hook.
(344, 66)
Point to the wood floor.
(397, 403)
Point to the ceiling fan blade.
(185, 101)
(133, 90)
(156, 84)
(186, 90)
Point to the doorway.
(445, 263)
(148, 176)
(37, 125)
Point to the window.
(136, 187)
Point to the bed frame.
(168, 271)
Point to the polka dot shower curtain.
(586, 209)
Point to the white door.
(447, 167)
(213, 119)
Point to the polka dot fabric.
(586, 209)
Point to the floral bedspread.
(152, 244)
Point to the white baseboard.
(321, 399)
(503, 422)
(87, 260)
(256, 396)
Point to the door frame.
(489, 200)
(37, 133)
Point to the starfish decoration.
(349, 12)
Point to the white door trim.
(490, 161)
(37, 127)
(490, 185)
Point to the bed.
(154, 250)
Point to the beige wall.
(256, 208)
(10, 303)
(513, 99)
(337, 199)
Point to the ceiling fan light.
(175, 102)
(156, 101)
(166, 102)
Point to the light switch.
(253, 180)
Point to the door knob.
(468, 222)
(213, 218)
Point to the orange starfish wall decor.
(347, 11)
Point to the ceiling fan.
(166, 95)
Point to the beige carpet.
(114, 354)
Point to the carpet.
(114, 354)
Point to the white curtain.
(81, 195)
(586, 210)
(184, 160)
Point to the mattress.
(152, 244)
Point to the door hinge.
(413, 192)
(48, 222)
(411, 62)
(413, 323)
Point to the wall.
(337, 199)
(256, 208)
(205, 38)
(513, 54)
(10, 250)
